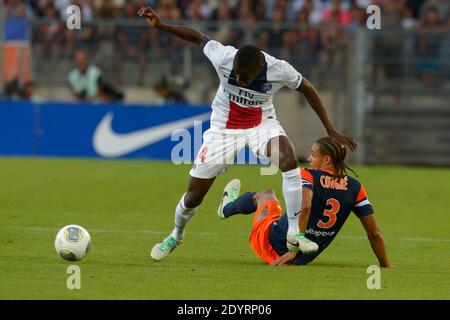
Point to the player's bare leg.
(186, 208)
(281, 152)
(261, 197)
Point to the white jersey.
(236, 107)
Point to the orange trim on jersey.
(361, 194)
(259, 237)
(305, 174)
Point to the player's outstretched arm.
(305, 211)
(184, 33)
(311, 95)
(376, 239)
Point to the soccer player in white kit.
(243, 115)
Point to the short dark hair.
(249, 56)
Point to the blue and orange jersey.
(332, 203)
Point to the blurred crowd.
(15, 90)
(402, 13)
(325, 22)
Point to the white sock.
(182, 216)
(292, 192)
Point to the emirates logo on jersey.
(266, 87)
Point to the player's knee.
(287, 162)
(269, 193)
(285, 154)
(265, 195)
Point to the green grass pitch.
(127, 206)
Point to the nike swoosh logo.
(225, 194)
(219, 211)
(109, 144)
(296, 244)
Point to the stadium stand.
(362, 75)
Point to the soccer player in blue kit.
(329, 195)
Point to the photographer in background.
(170, 89)
(108, 93)
(83, 79)
(14, 90)
(87, 83)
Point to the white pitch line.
(46, 229)
(400, 239)
(195, 233)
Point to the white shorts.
(221, 146)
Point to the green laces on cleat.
(168, 244)
(302, 237)
(161, 250)
(298, 242)
(234, 194)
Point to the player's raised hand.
(150, 14)
(285, 258)
(343, 140)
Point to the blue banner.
(100, 130)
(18, 123)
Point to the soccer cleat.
(230, 194)
(298, 242)
(163, 249)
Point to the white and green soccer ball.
(72, 242)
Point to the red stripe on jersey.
(361, 195)
(307, 176)
(243, 118)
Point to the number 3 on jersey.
(330, 213)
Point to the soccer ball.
(72, 242)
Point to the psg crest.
(266, 87)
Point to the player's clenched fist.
(152, 17)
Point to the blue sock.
(243, 205)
